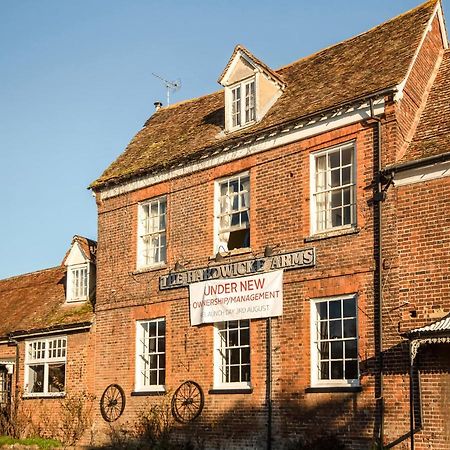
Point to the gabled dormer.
(251, 88)
(81, 270)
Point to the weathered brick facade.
(414, 286)
(390, 258)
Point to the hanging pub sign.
(293, 260)
(251, 297)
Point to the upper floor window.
(152, 233)
(232, 354)
(77, 282)
(243, 104)
(334, 341)
(333, 188)
(45, 366)
(150, 354)
(233, 212)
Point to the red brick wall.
(280, 214)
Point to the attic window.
(77, 283)
(243, 104)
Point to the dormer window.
(243, 110)
(78, 283)
(80, 264)
(251, 88)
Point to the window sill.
(332, 389)
(243, 390)
(234, 252)
(149, 269)
(156, 392)
(332, 233)
(42, 395)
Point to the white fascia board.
(296, 133)
(422, 174)
(437, 10)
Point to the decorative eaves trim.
(252, 145)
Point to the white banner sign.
(251, 297)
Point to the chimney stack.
(158, 105)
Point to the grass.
(39, 442)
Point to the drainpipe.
(269, 383)
(411, 395)
(13, 342)
(379, 197)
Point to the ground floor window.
(45, 366)
(334, 341)
(232, 354)
(151, 354)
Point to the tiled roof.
(439, 327)
(36, 301)
(358, 67)
(432, 136)
(88, 247)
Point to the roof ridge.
(48, 269)
(424, 5)
(182, 102)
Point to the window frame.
(46, 361)
(218, 359)
(242, 111)
(70, 297)
(314, 340)
(141, 263)
(219, 245)
(314, 191)
(139, 385)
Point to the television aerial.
(171, 86)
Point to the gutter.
(84, 326)
(408, 165)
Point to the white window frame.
(46, 359)
(140, 366)
(71, 295)
(143, 234)
(219, 382)
(315, 228)
(244, 104)
(315, 340)
(220, 245)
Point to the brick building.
(273, 257)
(45, 340)
(283, 244)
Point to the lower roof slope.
(36, 301)
(360, 66)
(432, 136)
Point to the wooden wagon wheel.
(112, 402)
(187, 402)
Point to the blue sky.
(76, 83)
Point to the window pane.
(336, 217)
(56, 377)
(334, 159)
(234, 374)
(335, 309)
(350, 349)
(322, 308)
(337, 370)
(245, 355)
(245, 373)
(36, 378)
(347, 156)
(350, 328)
(335, 179)
(346, 175)
(325, 350)
(234, 356)
(337, 350)
(335, 329)
(349, 308)
(324, 371)
(324, 330)
(351, 370)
